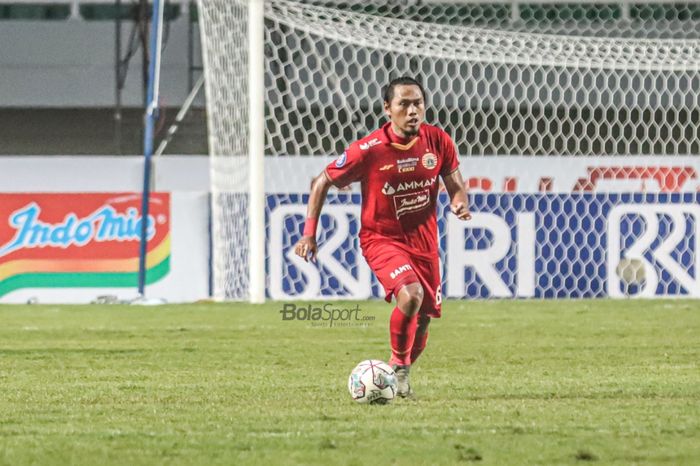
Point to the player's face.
(406, 110)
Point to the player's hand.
(461, 210)
(305, 246)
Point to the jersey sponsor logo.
(411, 202)
(429, 161)
(388, 190)
(407, 165)
(386, 167)
(370, 143)
(399, 270)
(408, 185)
(341, 160)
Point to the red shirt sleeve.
(450, 161)
(347, 168)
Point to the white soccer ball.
(372, 381)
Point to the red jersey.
(399, 181)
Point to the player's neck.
(396, 135)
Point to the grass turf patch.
(501, 382)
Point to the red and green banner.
(57, 240)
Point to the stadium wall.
(69, 229)
(76, 63)
(543, 227)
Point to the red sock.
(418, 345)
(403, 332)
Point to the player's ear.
(387, 109)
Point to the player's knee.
(415, 295)
(412, 298)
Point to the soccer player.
(398, 167)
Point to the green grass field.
(501, 382)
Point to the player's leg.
(396, 272)
(428, 272)
(404, 320)
(421, 338)
(403, 323)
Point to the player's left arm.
(451, 176)
(459, 203)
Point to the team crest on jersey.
(341, 160)
(429, 161)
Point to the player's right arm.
(307, 244)
(348, 168)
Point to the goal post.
(256, 69)
(545, 111)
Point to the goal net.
(577, 125)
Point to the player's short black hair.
(405, 80)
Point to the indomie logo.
(399, 270)
(104, 224)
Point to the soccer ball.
(372, 381)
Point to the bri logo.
(650, 245)
(104, 224)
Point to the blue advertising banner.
(516, 245)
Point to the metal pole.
(190, 45)
(118, 78)
(179, 117)
(150, 116)
(143, 20)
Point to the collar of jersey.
(397, 145)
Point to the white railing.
(75, 4)
(515, 4)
